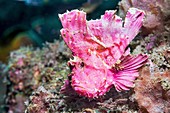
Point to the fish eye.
(82, 64)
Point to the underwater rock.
(152, 91)
(47, 98)
(157, 13)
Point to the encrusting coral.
(99, 50)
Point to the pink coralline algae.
(101, 58)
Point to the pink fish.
(101, 60)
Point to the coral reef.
(40, 90)
(36, 77)
(156, 49)
(152, 91)
(30, 68)
(39, 81)
(50, 100)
